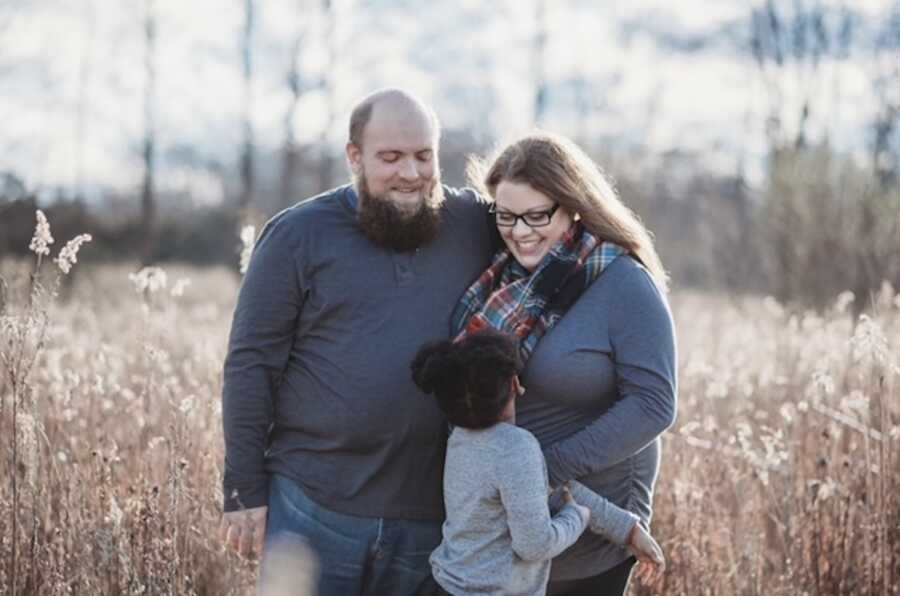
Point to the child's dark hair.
(470, 378)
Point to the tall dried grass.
(780, 476)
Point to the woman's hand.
(651, 562)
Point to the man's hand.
(651, 562)
(244, 530)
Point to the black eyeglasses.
(532, 219)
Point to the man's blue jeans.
(356, 555)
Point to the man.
(326, 436)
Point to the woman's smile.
(529, 243)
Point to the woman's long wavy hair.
(559, 169)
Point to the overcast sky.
(82, 61)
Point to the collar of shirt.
(352, 199)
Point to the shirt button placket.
(403, 269)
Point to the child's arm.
(522, 479)
(609, 520)
(621, 527)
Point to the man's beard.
(388, 226)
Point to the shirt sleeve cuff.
(609, 520)
(236, 499)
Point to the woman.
(581, 285)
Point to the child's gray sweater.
(499, 537)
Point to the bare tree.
(290, 149)
(326, 164)
(538, 51)
(886, 85)
(248, 180)
(148, 192)
(791, 44)
(84, 73)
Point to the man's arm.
(484, 203)
(265, 321)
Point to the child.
(499, 536)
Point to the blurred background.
(757, 139)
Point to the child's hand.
(583, 511)
(651, 562)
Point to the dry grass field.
(779, 477)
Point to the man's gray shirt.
(317, 383)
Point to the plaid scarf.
(526, 304)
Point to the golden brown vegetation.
(780, 476)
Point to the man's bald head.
(396, 101)
(393, 158)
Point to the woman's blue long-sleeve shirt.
(600, 388)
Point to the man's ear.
(354, 158)
(517, 388)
